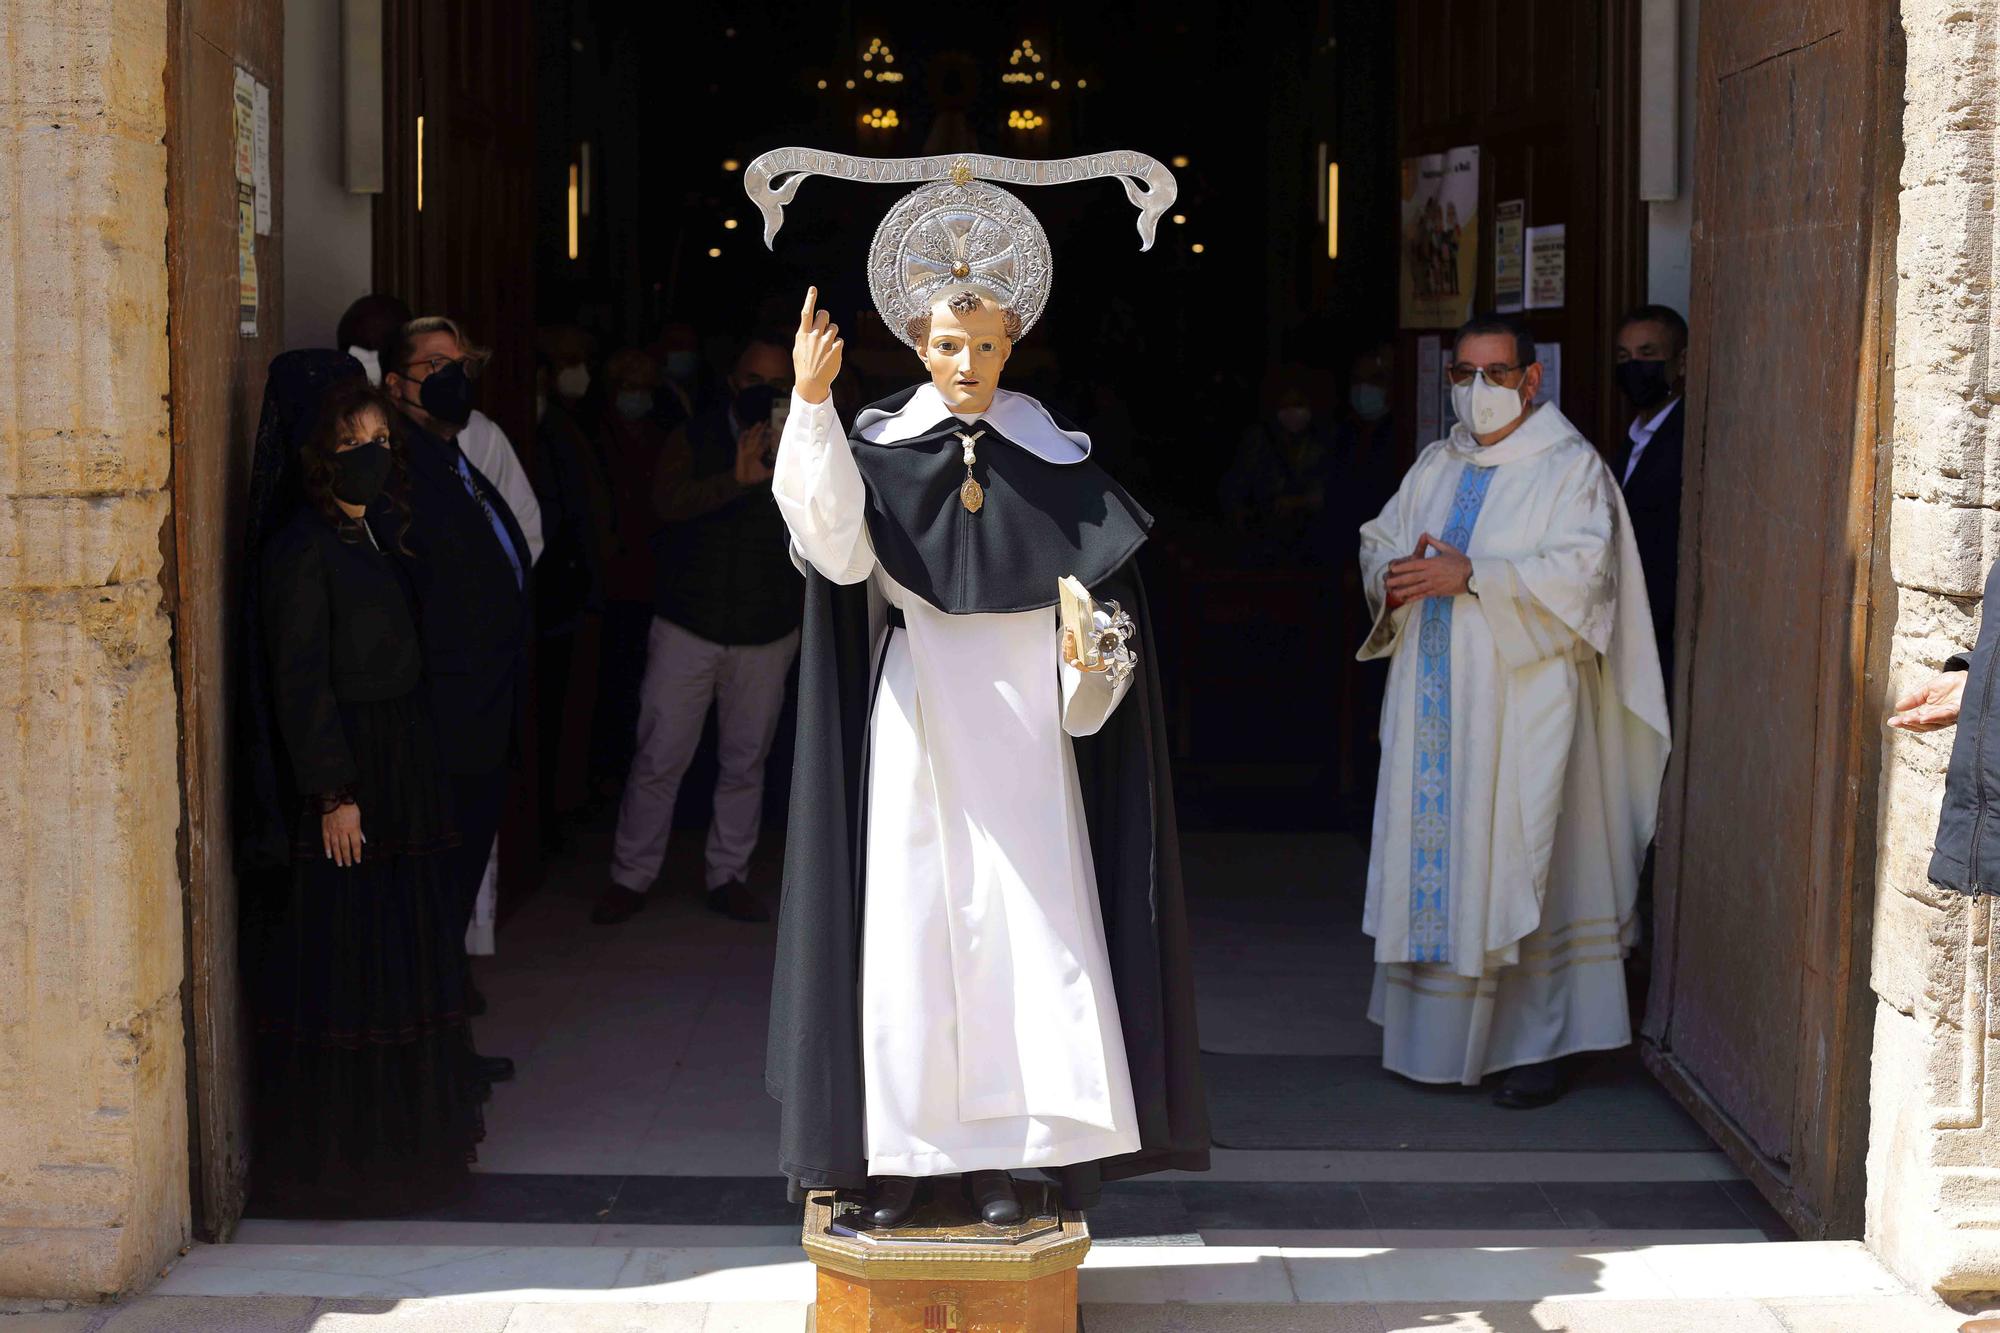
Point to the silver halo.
(947, 236)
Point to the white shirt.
(487, 448)
(1642, 435)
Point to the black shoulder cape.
(1041, 520)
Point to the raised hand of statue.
(815, 351)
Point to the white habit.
(1524, 736)
(989, 1028)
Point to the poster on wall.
(1548, 267)
(1429, 425)
(1440, 241)
(1509, 285)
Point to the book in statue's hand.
(1079, 618)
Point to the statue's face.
(965, 354)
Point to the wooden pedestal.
(945, 1273)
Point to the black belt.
(896, 620)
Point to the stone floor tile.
(1491, 1317)
(1884, 1314)
(537, 1317)
(1519, 1206)
(745, 1317)
(384, 1316)
(1779, 1270)
(1470, 1278)
(1230, 1319)
(642, 1235)
(1721, 1316)
(1117, 1275)
(47, 1321)
(256, 1314)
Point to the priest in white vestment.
(1524, 736)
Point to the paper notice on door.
(260, 165)
(1548, 267)
(1508, 286)
(246, 261)
(1551, 357)
(1427, 389)
(244, 118)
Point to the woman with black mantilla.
(365, 1104)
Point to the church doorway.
(580, 165)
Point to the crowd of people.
(416, 581)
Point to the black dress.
(364, 1103)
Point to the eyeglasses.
(433, 364)
(1461, 372)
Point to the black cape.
(1041, 520)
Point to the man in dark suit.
(468, 562)
(1652, 374)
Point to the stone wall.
(1934, 1150)
(93, 1118)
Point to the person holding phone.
(726, 610)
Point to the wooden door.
(1758, 1017)
(1544, 89)
(454, 235)
(216, 379)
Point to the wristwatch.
(1472, 585)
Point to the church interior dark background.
(1166, 357)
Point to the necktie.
(486, 507)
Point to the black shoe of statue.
(891, 1200)
(735, 901)
(993, 1195)
(491, 1068)
(617, 903)
(1530, 1086)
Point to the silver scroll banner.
(775, 177)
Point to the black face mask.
(1644, 383)
(449, 394)
(360, 473)
(753, 405)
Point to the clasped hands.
(1417, 576)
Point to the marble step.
(1112, 1275)
(1760, 1287)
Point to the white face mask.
(573, 381)
(370, 362)
(1483, 406)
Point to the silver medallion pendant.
(970, 493)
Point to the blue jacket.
(1967, 858)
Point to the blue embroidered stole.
(1430, 797)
